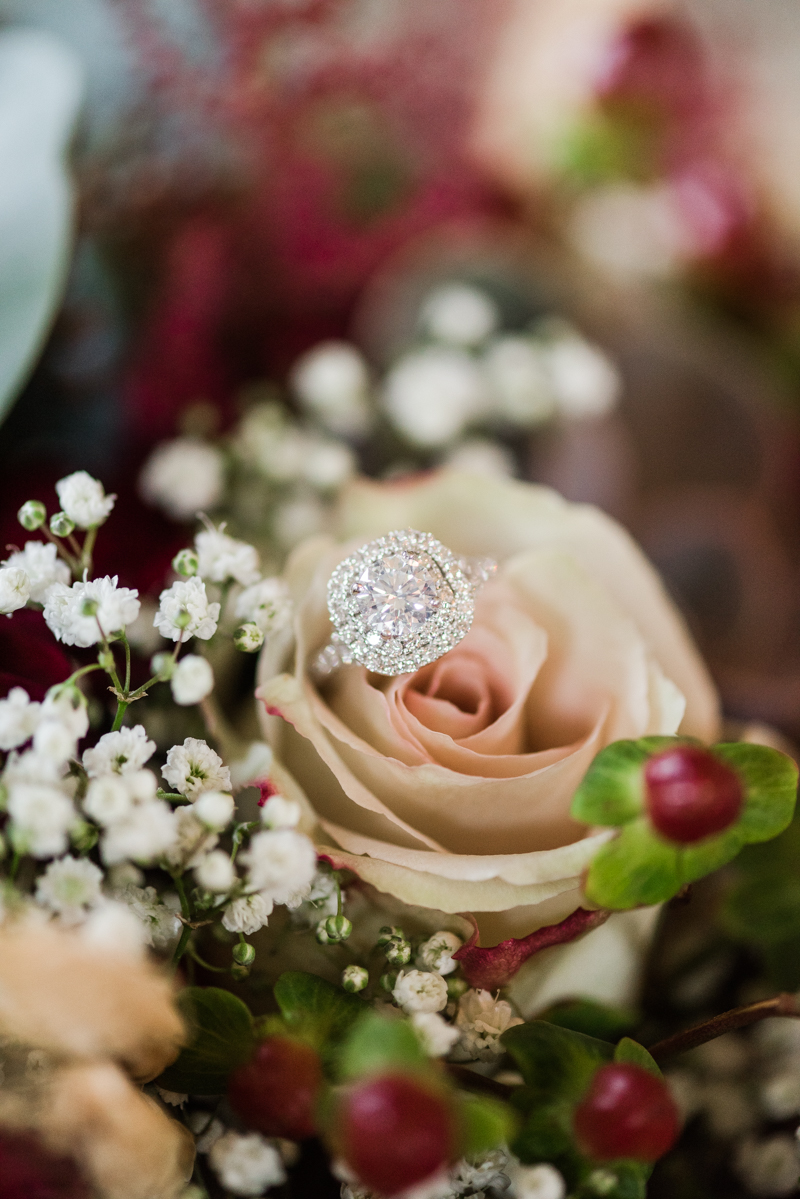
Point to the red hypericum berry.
(394, 1132)
(29, 1171)
(276, 1091)
(691, 794)
(627, 1112)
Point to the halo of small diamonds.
(400, 602)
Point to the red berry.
(627, 1112)
(29, 1171)
(276, 1091)
(691, 794)
(394, 1132)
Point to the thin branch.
(470, 1080)
(739, 1017)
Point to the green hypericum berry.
(244, 954)
(61, 525)
(388, 980)
(185, 563)
(32, 515)
(322, 933)
(338, 928)
(354, 978)
(456, 987)
(389, 933)
(248, 638)
(398, 953)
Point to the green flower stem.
(76, 549)
(183, 945)
(122, 708)
(73, 678)
(88, 550)
(126, 643)
(172, 796)
(186, 910)
(192, 952)
(14, 867)
(73, 563)
(740, 1017)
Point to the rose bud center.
(627, 1112)
(691, 794)
(276, 1091)
(394, 1132)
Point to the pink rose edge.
(492, 966)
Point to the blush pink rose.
(450, 788)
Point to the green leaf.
(763, 910)
(315, 1009)
(636, 1055)
(770, 780)
(629, 1181)
(222, 1039)
(704, 857)
(485, 1123)
(546, 1136)
(555, 1062)
(637, 867)
(591, 1018)
(378, 1043)
(611, 792)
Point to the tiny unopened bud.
(322, 933)
(106, 660)
(389, 933)
(89, 607)
(398, 953)
(185, 563)
(163, 665)
(456, 987)
(388, 980)
(338, 928)
(83, 836)
(239, 972)
(183, 619)
(61, 525)
(244, 954)
(354, 978)
(32, 515)
(203, 899)
(248, 638)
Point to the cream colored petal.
(500, 517)
(61, 994)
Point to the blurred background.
(558, 239)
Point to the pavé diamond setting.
(400, 602)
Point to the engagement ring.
(400, 602)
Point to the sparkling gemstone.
(397, 594)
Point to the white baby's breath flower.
(192, 680)
(437, 952)
(481, 456)
(214, 809)
(159, 921)
(536, 1182)
(146, 832)
(220, 557)
(460, 314)
(107, 800)
(279, 812)
(15, 589)
(41, 816)
(770, 1166)
(42, 565)
(246, 1163)
(431, 394)
(54, 740)
(255, 765)
(192, 841)
(76, 615)
(437, 1036)
(122, 752)
(332, 383)
(247, 914)
(215, 872)
(298, 518)
(328, 464)
(69, 886)
(19, 716)
(482, 1020)
(420, 991)
(31, 767)
(516, 369)
(68, 705)
(319, 901)
(183, 477)
(184, 611)
(585, 383)
(194, 767)
(266, 604)
(84, 499)
(281, 863)
(113, 927)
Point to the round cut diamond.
(395, 595)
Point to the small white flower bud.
(389, 933)
(83, 500)
(436, 1035)
(215, 872)
(162, 664)
(437, 953)
(398, 953)
(32, 515)
(545, 1181)
(460, 314)
(419, 991)
(279, 812)
(338, 928)
(15, 589)
(322, 933)
(248, 638)
(214, 809)
(61, 525)
(192, 680)
(185, 563)
(354, 978)
(244, 954)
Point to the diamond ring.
(400, 602)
